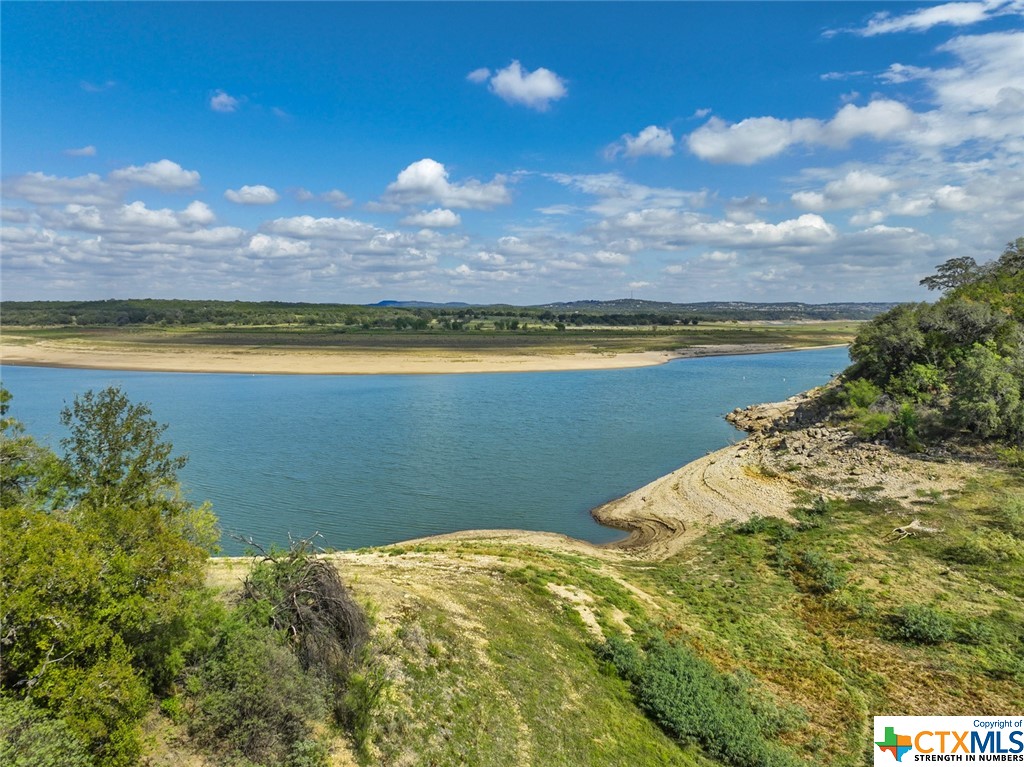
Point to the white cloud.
(880, 119)
(758, 138)
(513, 84)
(307, 227)
(197, 212)
(750, 140)
(165, 175)
(224, 102)
(652, 141)
(437, 218)
(136, 223)
(665, 229)
(426, 180)
(957, 14)
(617, 195)
(253, 195)
(85, 151)
(268, 246)
(42, 189)
(856, 189)
(337, 199)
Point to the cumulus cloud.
(515, 85)
(85, 151)
(307, 227)
(223, 102)
(42, 189)
(652, 141)
(980, 97)
(666, 229)
(436, 218)
(758, 138)
(165, 175)
(426, 180)
(257, 194)
(140, 227)
(856, 189)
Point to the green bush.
(860, 393)
(251, 695)
(1012, 457)
(906, 424)
(30, 738)
(869, 425)
(921, 624)
(691, 700)
(816, 573)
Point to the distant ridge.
(797, 308)
(422, 304)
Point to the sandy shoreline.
(333, 362)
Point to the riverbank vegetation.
(105, 613)
(925, 374)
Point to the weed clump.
(921, 624)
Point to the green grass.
(509, 678)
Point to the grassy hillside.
(491, 648)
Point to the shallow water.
(369, 460)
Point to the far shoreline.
(276, 362)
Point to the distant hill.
(413, 314)
(772, 310)
(421, 304)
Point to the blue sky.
(512, 152)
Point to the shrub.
(691, 700)
(906, 424)
(251, 695)
(1012, 457)
(922, 625)
(816, 573)
(860, 393)
(30, 738)
(869, 425)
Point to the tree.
(114, 454)
(953, 274)
(24, 464)
(121, 471)
(987, 396)
(102, 576)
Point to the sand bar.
(324, 361)
(313, 361)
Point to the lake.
(371, 460)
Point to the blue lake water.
(370, 460)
